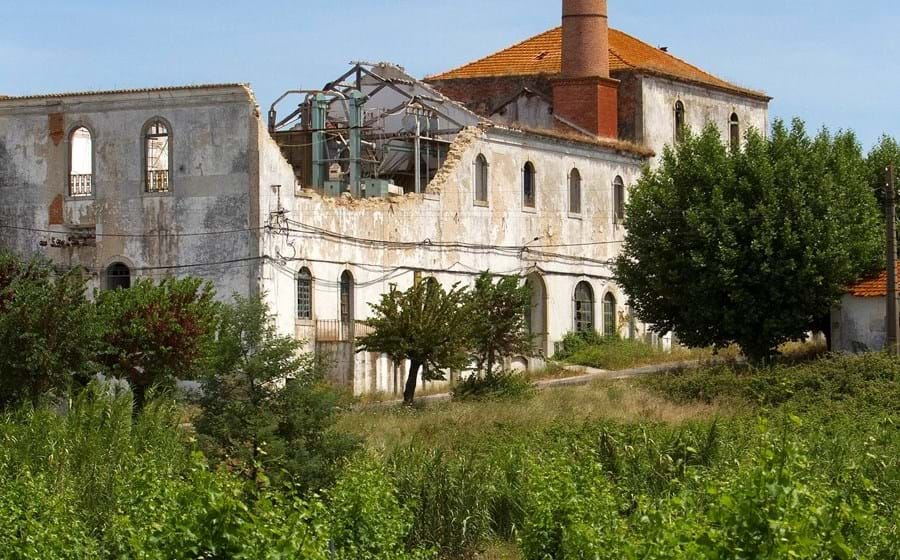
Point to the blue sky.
(831, 63)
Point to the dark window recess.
(619, 199)
(346, 297)
(118, 275)
(679, 121)
(575, 192)
(735, 132)
(529, 195)
(609, 315)
(481, 179)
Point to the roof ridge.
(157, 89)
(491, 55)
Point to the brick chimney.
(584, 94)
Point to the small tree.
(749, 246)
(265, 404)
(47, 329)
(426, 325)
(154, 333)
(498, 320)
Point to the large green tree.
(427, 325)
(47, 329)
(266, 408)
(749, 246)
(884, 153)
(497, 320)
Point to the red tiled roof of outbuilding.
(872, 287)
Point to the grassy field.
(797, 461)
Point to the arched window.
(529, 194)
(609, 315)
(347, 297)
(679, 121)
(81, 162)
(584, 308)
(156, 157)
(481, 179)
(735, 132)
(118, 275)
(575, 192)
(304, 294)
(619, 199)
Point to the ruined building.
(519, 163)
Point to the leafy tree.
(426, 325)
(46, 329)
(884, 153)
(154, 333)
(753, 245)
(266, 408)
(497, 320)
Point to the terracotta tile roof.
(121, 91)
(542, 54)
(873, 287)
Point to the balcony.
(340, 331)
(81, 185)
(157, 181)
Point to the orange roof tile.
(542, 54)
(873, 287)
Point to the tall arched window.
(609, 315)
(584, 308)
(481, 179)
(346, 297)
(735, 131)
(118, 275)
(529, 194)
(679, 121)
(81, 162)
(304, 294)
(575, 192)
(156, 157)
(619, 199)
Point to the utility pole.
(890, 215)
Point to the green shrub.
(505, 385)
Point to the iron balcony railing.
(158, 181)
(335, 330)
(80, 184)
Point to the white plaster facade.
(702, 105)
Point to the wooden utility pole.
(890, 215)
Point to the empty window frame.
(735, 131)
(529, 186)
(346, 290)
(609, 315)
(81, 162)
(584, 308)
(304, 294)
(481, 179)
(618, 200)
(118, 276)
(679, 121)
(575, 192)
(157, 157)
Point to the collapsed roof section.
(373, 131)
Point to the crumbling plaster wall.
(448, 213)
(858, 324)
(210, 183)
(702, 105)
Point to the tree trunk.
(490, 363)
(409, 393)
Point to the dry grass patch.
(441, 424)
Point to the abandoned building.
(519, 163)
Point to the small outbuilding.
(858, 322)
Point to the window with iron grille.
(304, 294)
(156, 157)
(81, 162)
(609, 315)
(584, 308)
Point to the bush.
(503, 385)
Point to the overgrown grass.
(614, 353)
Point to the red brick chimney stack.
(584, 94)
